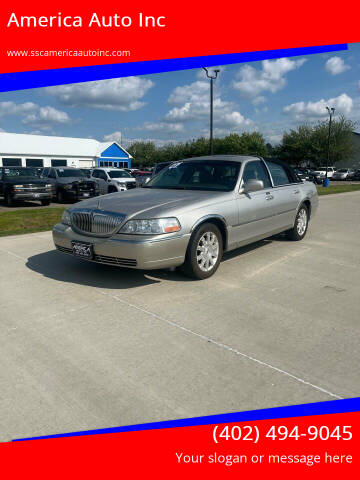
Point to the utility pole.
(212, 78)
(331, 111)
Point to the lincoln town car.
(189, 214)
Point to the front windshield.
(70, 172)
(21, 172)
(86, 172)
(216, 175)
(118, 174)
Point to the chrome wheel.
(301, 223)
(207, 251)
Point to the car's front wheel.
(299, 230)
(204, 252)
(9, 201)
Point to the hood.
(66, 180)
(26, 180)
(124, 180)
(153, 203)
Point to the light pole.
(212, 78)
(331, 111)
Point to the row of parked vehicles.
(66, 183)
(75, 184)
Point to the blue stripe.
(61, 76)
(318, 408)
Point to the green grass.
(337, 189)
(18, 222)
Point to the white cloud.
(271, 78)
(336, 65)
(317, 110)
(123, 94)
(32, 114)
(192, 103)
(162, 127)
(46, 115)
(259, 100)
(113, 137)
(12, 108)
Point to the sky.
(270, 97)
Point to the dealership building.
(46, 151)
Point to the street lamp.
(212, 78)
(331, 111)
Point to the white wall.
(71, 161)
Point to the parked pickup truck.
(23, 183)
(70, 183)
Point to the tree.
(147, 154)
(309, 142)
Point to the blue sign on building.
(114, 156)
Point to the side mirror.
(252, 185)
(147, 180)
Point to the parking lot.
(86, 346)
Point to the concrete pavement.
(86, 346)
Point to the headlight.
(152, 226)
(122, 184)
(68, 186)
(18, 186)
(66, 218)
(49, 185)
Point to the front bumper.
(74, 195)
(32, 196)
(125, 250)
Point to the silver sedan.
(189, 214)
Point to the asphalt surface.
(86, 346)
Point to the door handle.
(296, 191)
(269, 196)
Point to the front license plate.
(84, 250)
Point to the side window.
(1, 173)
(256, 171)
(278, 173)
(45, 172)
(52, 173)
(102, 175)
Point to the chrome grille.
(96, 223)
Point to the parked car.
(343, 174)
(112, 180)
(356, 175)
(189, 214)
(302, 174)
(322, 171)
(23, 183)
(86, 172)
(142, 176)
(70, 183)
(158, 167)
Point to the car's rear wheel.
(299, 230)
(204, 252)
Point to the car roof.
(65, 167)
(108, 169)
(233, 158)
